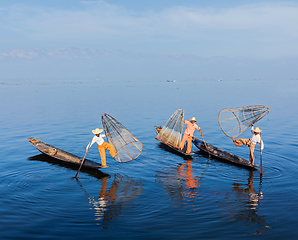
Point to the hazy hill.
(120, 65)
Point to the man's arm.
(89, 145)
(183, 118)
(261, 145)
(201, 132)
(199, 129)
(252, 128)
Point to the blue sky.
(232, 28)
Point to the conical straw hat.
(193, 119)
(97, 131)
(257, 130)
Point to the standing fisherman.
(188, 134)
(102, 146)
(255, 138)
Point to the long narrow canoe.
(61, 154)
(221, 154)
(182, 152)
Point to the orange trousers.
(102, 152)
(187, 138)
(247, 142)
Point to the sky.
(252, 29)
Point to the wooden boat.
(183, 151)
(221, 154)
(61, 154)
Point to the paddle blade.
(234, 121)
(124, 142)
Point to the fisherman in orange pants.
(188, 134)
(102, 146)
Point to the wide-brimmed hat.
(257, 130)
(193, 119)
(97, 131)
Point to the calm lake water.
(160, 195)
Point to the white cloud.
(278, 18)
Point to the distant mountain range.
(76, 53)
(118, 64)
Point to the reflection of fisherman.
(190, 128)
(255, 138)
(101, 204)
(102, 146)
(111, 199)
(104, 199)
(253, 196)
(191, 182)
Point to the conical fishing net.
(126, 144)
(171, 133)
(234, 121)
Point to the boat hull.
(221, 154)
(62, 155)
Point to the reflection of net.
(113, 197)
(234, 121)
(126, 144)
(171, 133)
(123, 190)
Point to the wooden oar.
(206, 145)
(82, 162)
(81, 165)
(261, 160)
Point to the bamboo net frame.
(171, 133)
(124, 142)
(234, 121)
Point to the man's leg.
(242, 141)
(189, 143)
(110, 148)
(251, 154)
(181, 146)
(102, 153)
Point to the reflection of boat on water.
(113, 197)
(91, 171)
(62, 155)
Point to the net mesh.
(171, 133)
(234, 121)
(126, 144)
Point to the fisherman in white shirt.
(255, 138)
(102, 145)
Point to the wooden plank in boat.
(61, 154)
(221, 154)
